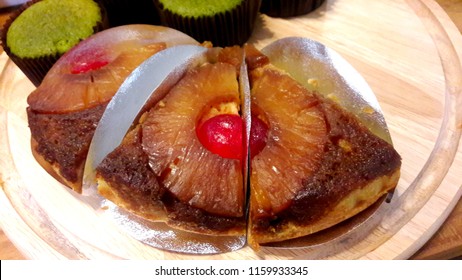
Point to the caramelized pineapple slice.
(188, 170)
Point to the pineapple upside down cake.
(303, 165)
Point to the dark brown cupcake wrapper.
(289, 8)
(35, 69)
(122, 12)
(224, 29)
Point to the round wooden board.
(408, 51)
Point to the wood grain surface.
(445, 244)
(8, 251)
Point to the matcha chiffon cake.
(41, 31)
(222, 22)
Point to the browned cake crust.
(60, 142)
(186, 217)
(125, 178)
(353, 158)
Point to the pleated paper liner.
(228, 28)
(289, 8)
(122, 12)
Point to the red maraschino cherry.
(88, 66)
(258, 136)
(86, 63)
(223, 135)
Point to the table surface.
(445, 244)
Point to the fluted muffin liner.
(289, 8)
(228, 28)
(122, 12)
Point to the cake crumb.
(161, 104)
(345, 145)
(368, 110)
(313, 82)
(333, 97)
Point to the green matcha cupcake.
(223, 22)
(43, 30)
(122, 12)
(288, 8)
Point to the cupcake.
(122, 12)
(222, 22)
(288, 8)
(40, 31)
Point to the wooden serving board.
(408, 51)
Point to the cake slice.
(199, 188)
(320, 165)
(65, 109)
